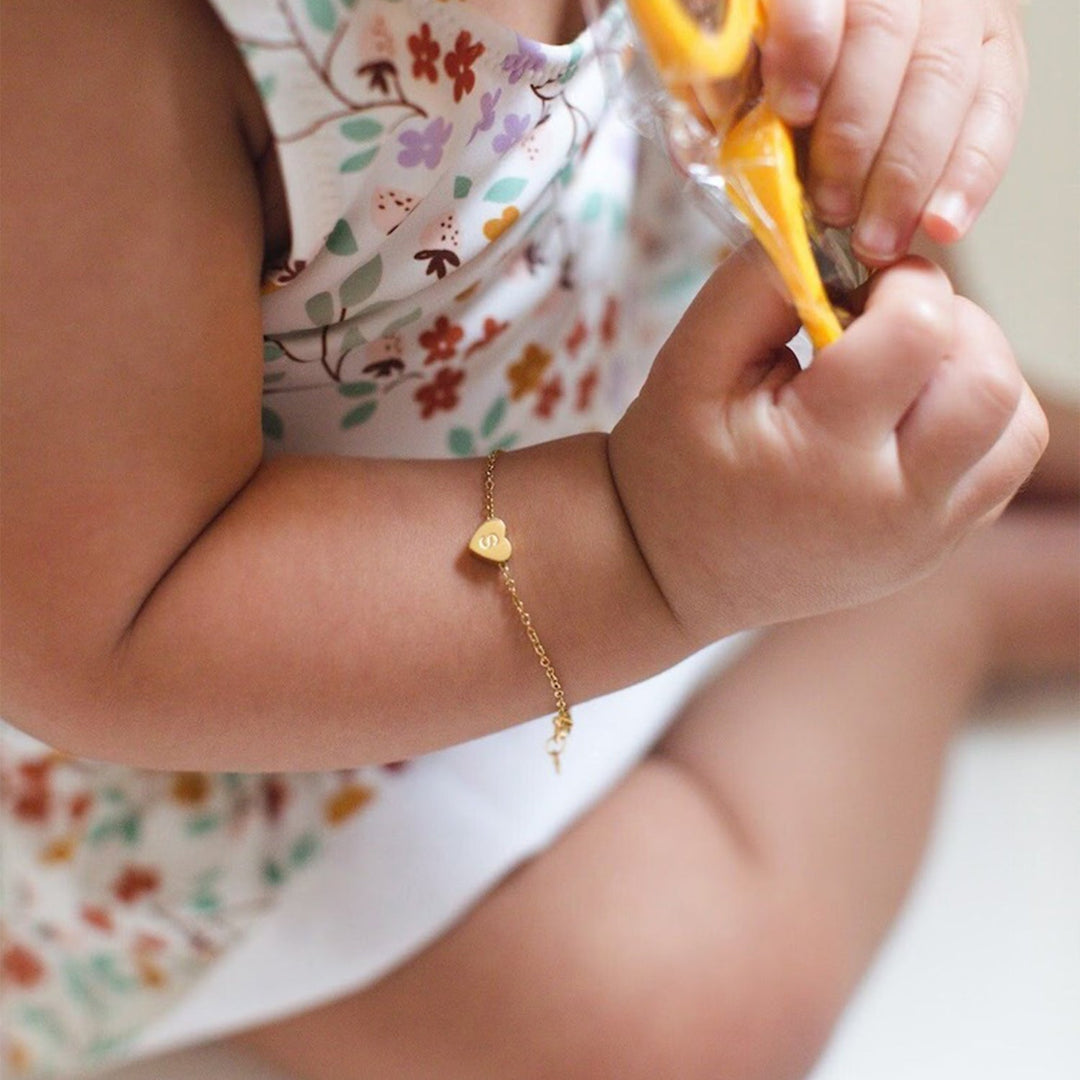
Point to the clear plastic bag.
(693, 84)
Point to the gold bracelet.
(490, 542)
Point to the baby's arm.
(170, 600)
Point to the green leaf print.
(273, 427)
(320, 309)
(266, 87)
(594, 205)
(359, 161)
(124, 828)
(361, 283)
(352, 339)
(103, 967)
(80, 988)
(393, 327)
(45, 1020)
(361, 129)
(304, 850)
(462, 186)
(360, 415)
(358, 389)
(341, 240)
(322, 14)
(272, 873)
(505, 190)
(493, 418)
(461, 442)
(272, 351)
(204, 823)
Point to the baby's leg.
(709, 918)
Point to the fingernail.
(952, 210)
(798, 104)
(835, 204)
(877, 238)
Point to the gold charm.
(490, 541)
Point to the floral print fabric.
(468, 270)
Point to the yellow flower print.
(496, 226)
(525, 375)
(341, 806)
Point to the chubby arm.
(169, 600)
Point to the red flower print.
(80, 805)
(37, 771)
(98, 918)
(492, 329)
(609, 327)
(33, 804)
(276, 795)
(134, 882)
(425, 50)
(577, 337)
(525, 375)
(586, 387)
(441, 340)
(21, 967)
(440, 393)
(550, 394)
(459, 64)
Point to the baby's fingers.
(986, 140)
(861, 387)
(934, 101)
(858, 104)
(798, 55)
(976, 430)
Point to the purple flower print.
(514, 128)
(488, 101)
(424, 147)
(528, 58)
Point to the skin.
(157, 575)
(915, 109)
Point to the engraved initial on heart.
(490, 542)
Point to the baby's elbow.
(66, 701)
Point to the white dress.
(481, 257)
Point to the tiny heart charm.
(490, 542)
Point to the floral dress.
(470, 268)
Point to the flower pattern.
(441, 393)
(424, 147)
(441, 340)
(459, 62)
(425, 51)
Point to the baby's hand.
(759, 493)
(915, 106)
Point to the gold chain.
(490, 542)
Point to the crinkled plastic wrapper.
(741, 162)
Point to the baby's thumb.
(740, 317)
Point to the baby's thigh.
(644, 943)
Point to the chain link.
(561, 722)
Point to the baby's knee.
(744, 982)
